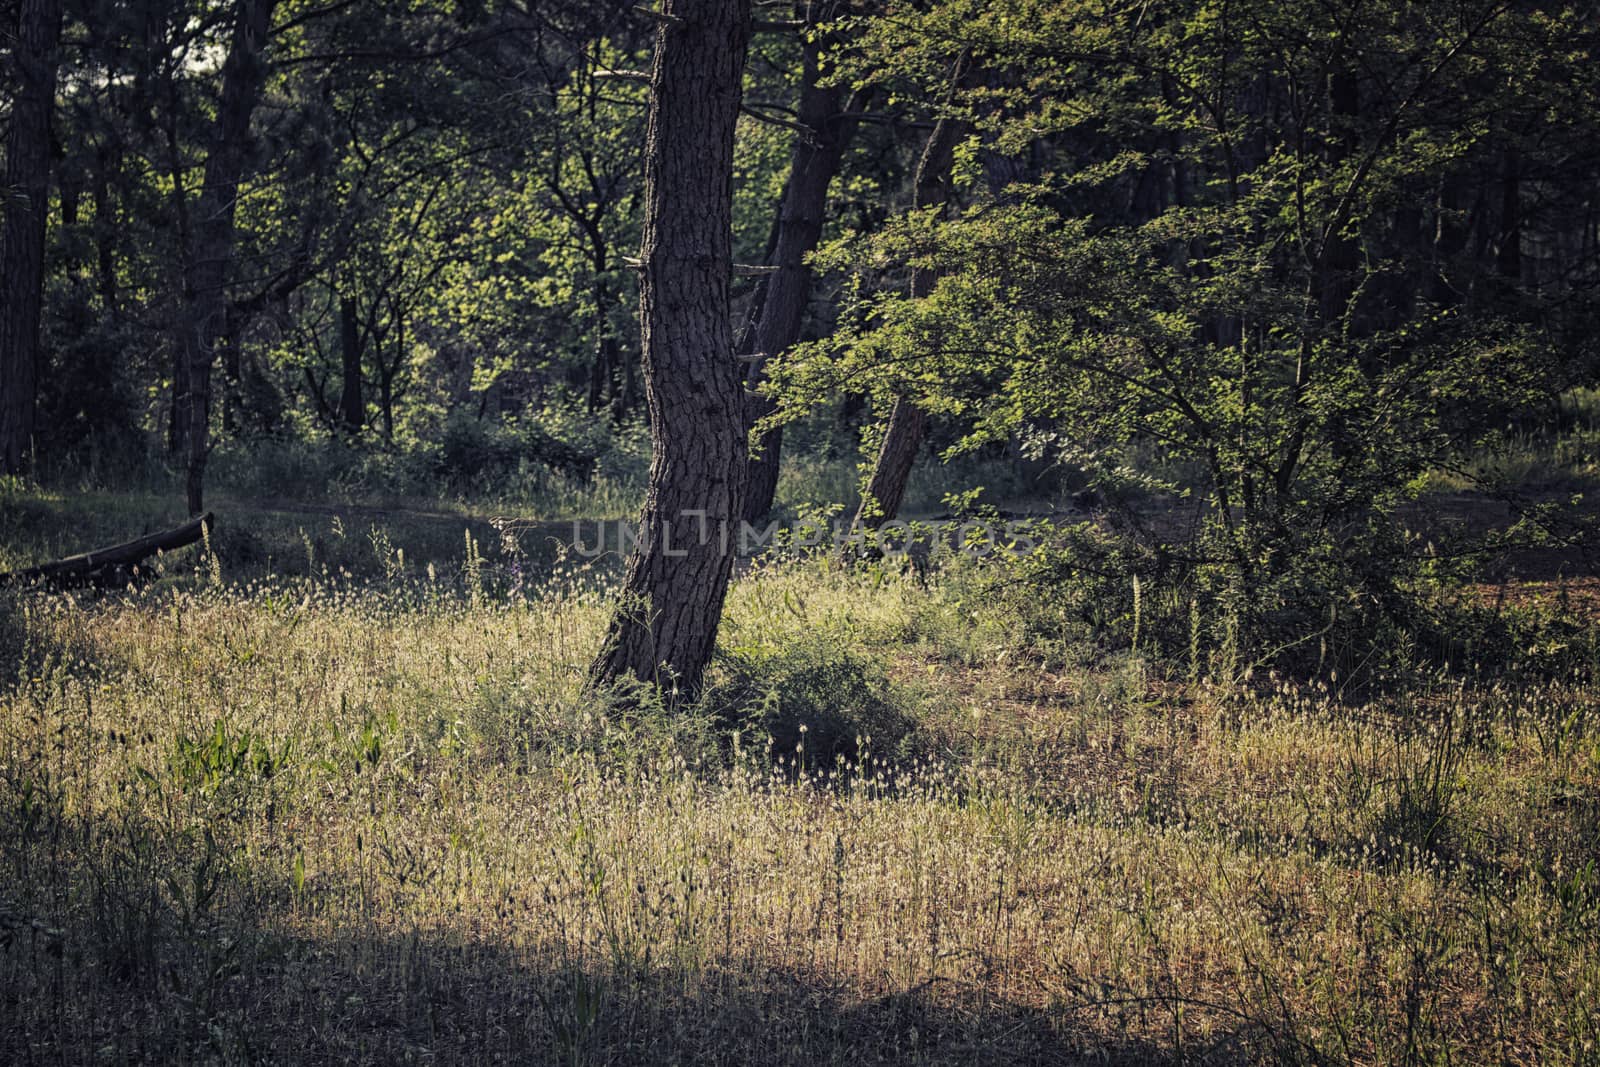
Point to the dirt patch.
(1571, 598)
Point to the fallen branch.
(106, 566)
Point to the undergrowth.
(377, 817)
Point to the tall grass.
(329, 818)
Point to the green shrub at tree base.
(817, 699)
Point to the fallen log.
(114, 565)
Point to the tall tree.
(825, 129)
(908, 420)
(664, 631)
(352, 407)
(207, 235)
(25, 190)
(1243, 322)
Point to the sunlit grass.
(329, 818)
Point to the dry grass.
(324, 821)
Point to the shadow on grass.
(123, 945)
(427, 998)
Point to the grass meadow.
(314, 797)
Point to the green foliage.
(459, 217)
(816, 699)
(473, 455)
(1248, 759)
(1260, 323)
(552, 462)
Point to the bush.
(477, 455)
(816, 697)
(1368, 607)
(550, 453)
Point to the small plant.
(575, 1012)
(1424, 791)
(815, 697)
(472, 572)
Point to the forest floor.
(303, 802)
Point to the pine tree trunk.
(606, 374)
(907, 422)
(352, 405)
(805, 198)
(665, 629)
(27, 177)
(210, 243)
(764, 464)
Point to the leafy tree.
(206, 236)
(1239, 253)
(826, 121)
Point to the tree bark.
(665, 628)
(27, 176)
(352, 405)
(805, 197)
(606, 378)
(115, 564)
(209, 242)
(105, 231)
(908, 423)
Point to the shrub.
(816, 697)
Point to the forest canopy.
(1279, 264)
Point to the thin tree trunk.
(1338, 262)
(1508, 257)
(104, 232)
(630, 384)
(27, 176)
(211, 242)
(386, 404)
(805, 198)
(1449, 239)
(399, 328)
(602, 373)
(666, 626)
(599, 373)
(1330, 288)
(907, 422)
(606, 375)
(352, 405)
(231, 347)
